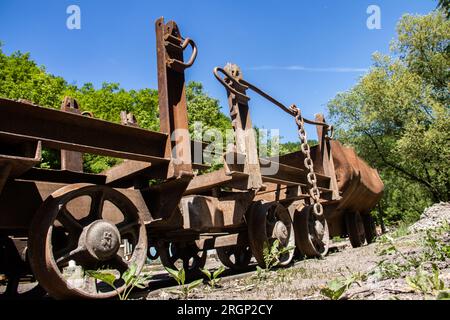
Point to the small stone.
(432, 217)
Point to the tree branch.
(427, 184)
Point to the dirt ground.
(399, 265)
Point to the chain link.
(311, 176)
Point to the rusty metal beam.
(62, 176)
(17, 163)
(62, 130)
(217, 178)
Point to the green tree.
(21, 78)
(444, 5)
(397, 116)
(203, 108)
(107, 102)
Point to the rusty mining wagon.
(52, 219)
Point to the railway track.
(161, 281)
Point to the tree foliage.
(21, 78)
(202, 107)
(398, 118)
(444, 5)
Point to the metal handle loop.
(186, 42)
(180, 64)
(227, 85)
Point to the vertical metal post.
(243, 128)
(172, 96)
(325, 156)
(71, 160)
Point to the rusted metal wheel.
(311, 233)
(182, 255)
(355, 229)
(86, 224)
(268, 222)
(370, 229)
(235, 257)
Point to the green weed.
(213, 278)
(131, 278)
(183, 290)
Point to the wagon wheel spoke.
(118, 262)
(270, 222)
(76, 255)
(97, 205)
(175, 253)
(318, 243)
(192, 258)
(127, 226)
(233, 252)
(187, 265)
(68, 221)
(13, 287)
(73, 244)
(242, 256)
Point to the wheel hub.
(280, 231)
(101, 239)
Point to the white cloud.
(308, 69)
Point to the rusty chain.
(311, 176)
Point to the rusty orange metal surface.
(360, 185)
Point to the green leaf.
(443, 295)
(218, 272)
(173, 273)
(334, 289)
(106, 277)
(129, 274)
(182, 275)
(206, 273)
(176, 291)
(275, 246)
(412, 283)
(194, 284)
(140, 285)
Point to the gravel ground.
(379, 270)
(432, 217)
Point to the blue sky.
(302, 52)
